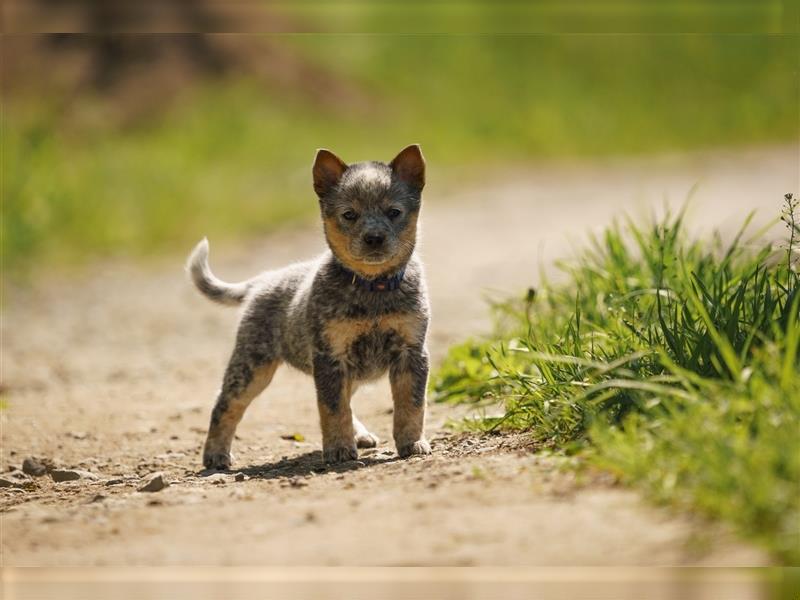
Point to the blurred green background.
(122, 144)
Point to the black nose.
(373, 240)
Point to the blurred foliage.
(543, 16)
(495, 98)
(674, 364)
(231, 155)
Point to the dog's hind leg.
(245, 378)
(364, 439)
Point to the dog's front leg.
(333, 398)
(409, 378)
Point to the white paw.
(365, 439)
(414, 448)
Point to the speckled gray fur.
(314, 317)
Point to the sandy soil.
(114, 372)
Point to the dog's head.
(370, 209)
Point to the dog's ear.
(328, 169)
(409, 166)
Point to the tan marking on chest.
(341, 333)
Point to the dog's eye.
(350, 215)
(393, 213)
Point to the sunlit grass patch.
(672, 362)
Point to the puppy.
(354, 313)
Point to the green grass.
(232, 157)
(673, 363)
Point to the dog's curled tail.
(231, 294)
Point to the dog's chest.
(369, 345)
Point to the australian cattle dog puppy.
(349, 316)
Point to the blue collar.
(379, 284)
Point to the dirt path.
(114, 374)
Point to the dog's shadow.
(304, 465)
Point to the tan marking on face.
(341, 333)
(339, 243)
(409, 235)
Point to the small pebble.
(153, 483)
(33, 466)
(60, 475)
